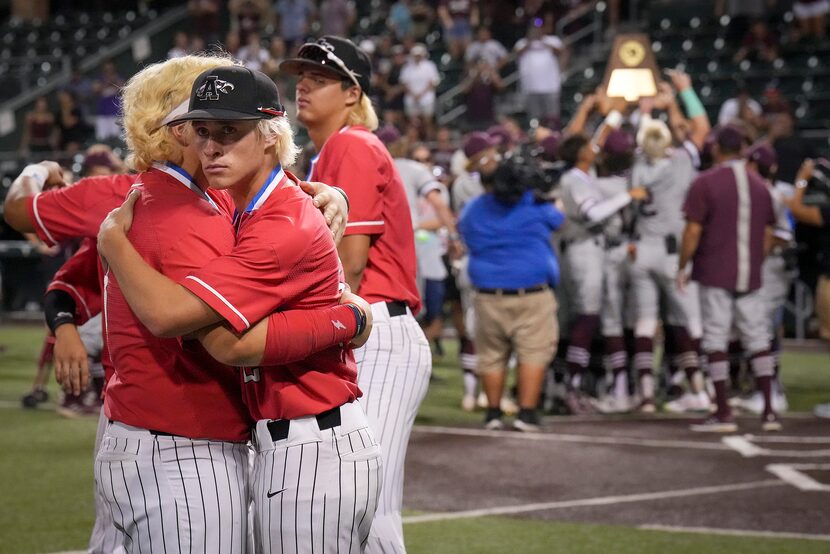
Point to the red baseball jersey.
(79, 278)
(167, 384)
(357, 161)
(284, 258)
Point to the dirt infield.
(645, 473)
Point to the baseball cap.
(618, 142)
(730, 138)
(500, 134)
(388, 134)
(478, 142)
(336, 54)
(763, 155)
(419, 50)
(232, 93)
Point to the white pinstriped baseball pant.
(316, 490)
(174, 494)
(393, 370)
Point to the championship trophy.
(632, 71)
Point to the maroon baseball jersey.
(168, 384)
(79, 278)
(284, 258)
(355, 160)
(734, 214)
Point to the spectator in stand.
(480, 88)
(84, 91)
(400, 19)
(812, 18)
(232, 44)
(458, 17)
(181, 45)
(484, 47)
(39, 129)
(276, 54)
(107, 88)
(791, 149)
(248, 16)
(74, 131)
(422, 18)
(294, 16)
(197, 44)
(540, 76)
(758, 43)
(205, 18)
(393, 89)
(336, 17)
(742, 107)
(420, 78)
(253, 55)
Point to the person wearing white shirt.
(420, 77)
(487, 49)
(540, 76)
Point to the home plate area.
(649, 473)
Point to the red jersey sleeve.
(78, 277)
(273, 265)
(77, 210)
(353, 166)
(695, 206)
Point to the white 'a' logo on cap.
(326, 44)
(212, 87)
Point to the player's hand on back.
(333, 205)
(55, 178)
(116, 224)
(71, 361)
(349, 297)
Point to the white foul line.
(559, 437)
(600, 501)
(745, 447)
(735, 532)
(792, 474)
(788, 439)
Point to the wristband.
(360, 317)
(58, 308)
(345, 196)
(801, 183)
(694, 107)
(38, 173)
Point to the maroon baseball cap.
(388, 134)
(618, 142)
(478, 142)
(730, 138)
(762, 154)
(501, 134)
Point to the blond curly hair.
(363, 113)
(149, 96)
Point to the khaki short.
(823, 306)
(524, 324)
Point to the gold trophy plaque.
(632, 71)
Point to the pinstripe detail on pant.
(172, 494)
(105, 537)
(393, 373)
(300, 483)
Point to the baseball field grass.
(46, 478)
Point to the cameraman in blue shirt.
(514, 269)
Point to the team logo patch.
(338, 324)
(212, 87)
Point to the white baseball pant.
(316, 490)
(174, 494)
(393, 370)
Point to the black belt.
(325, 420)
(396, 308)
(513, 292)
